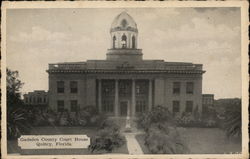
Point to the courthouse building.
(124, 83)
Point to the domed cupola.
(124, 32)
(124, 35)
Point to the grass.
(209, 141)
(203, 141)
(13, 148)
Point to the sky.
(208, 36)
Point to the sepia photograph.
(124, 80)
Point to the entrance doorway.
(124, 108)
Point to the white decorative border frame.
(131, 4)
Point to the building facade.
(125, 84)
(207, 103)
(36, 98)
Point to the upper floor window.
(60, 86)
(108, 88)
(189, 106)
(73, 105)
(141, 88)
(176, 106)
(73, 87)
(124, 88)
(190, 88)
(60, 105)
(176, 88)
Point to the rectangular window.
(176, 106)
(73, 105)
(60, 86)
(39, 100)
(141, 88)
(190, 88)
(140, 106)
(44, 99)
(73, 87)
(60, 105)
(108, 88)
(176, 88)
(125, 88)
(189, 106)
(26, 100)
(107, 106)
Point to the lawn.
(203, 141)
(13, 148)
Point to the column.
(133, 98)
(100, 95)
(150, 95)
(116, 97)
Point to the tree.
(17, 122)
(232, 123)
(13, 87)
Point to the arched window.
(124, 41)
(133, 41)
(114, 40)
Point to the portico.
(124, 97)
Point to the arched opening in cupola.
(114, 41)
(133, 41)
(124, 41)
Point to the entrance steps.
(121, 121)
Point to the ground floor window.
(189, 106)
(140, 106)
(73, 105)
(60, 105)
(108, 106)
(176, 106)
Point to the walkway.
(133, 146)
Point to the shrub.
(164, 139)
(107, 138)
(87, 116)
(158, 114)
(189, 119)
(162, 136)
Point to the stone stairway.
(121, 121)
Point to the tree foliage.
(232, 123)
(14, 85)
(162, 136)
(17, 122)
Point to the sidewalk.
(133, 146)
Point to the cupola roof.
(123, 22)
